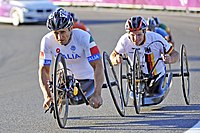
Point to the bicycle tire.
(185, 76)
(59, 91)
(136, 74)
(113, 86)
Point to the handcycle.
(67, 90)
(136, 82)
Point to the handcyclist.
(80, 50)
(151, 47)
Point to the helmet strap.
(68, 40)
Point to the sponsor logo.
(73, 48)
(57, 50)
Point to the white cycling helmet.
(59, 19)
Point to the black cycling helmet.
(74, 17)
(157, 20)
(135, 23)
(59, 19)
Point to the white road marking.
(194, 129)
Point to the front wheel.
(59, 91)
(136, 85)
(113, 84)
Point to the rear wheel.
(185, 76)
(136, 86)
(113, 84)
(59, 91)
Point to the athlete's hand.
(96, 101)
(117, 60)
(167, 59)
(47, 102)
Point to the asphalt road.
(21, 98)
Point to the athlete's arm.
(96, 99)
(98, 76)
(44, 76)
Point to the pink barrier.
(108, 1)
(167, 4)
(149, 2)
(126, 1)
(193, 3)
(175, 3)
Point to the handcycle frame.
(136, 82)
(63, 87)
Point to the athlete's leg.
(87, 86)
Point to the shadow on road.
(163, 118)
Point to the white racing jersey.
(152, 49)
(78, 53)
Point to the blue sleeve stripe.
(45, 62)
(94, 57)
